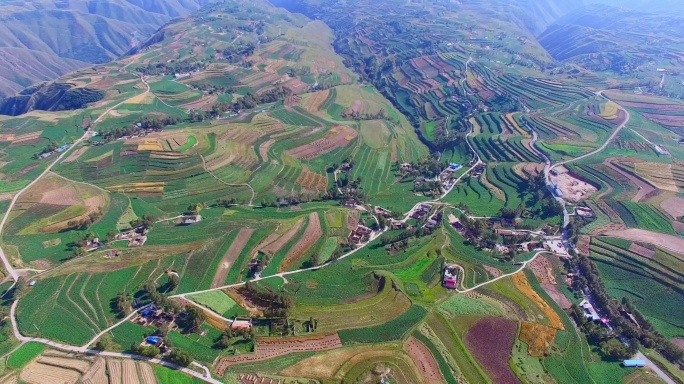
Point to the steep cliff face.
(43, 39)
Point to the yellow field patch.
(658, 174)
(609, 110)
(538, 338)
(150, 145)
(151, 187)
(143, 98)
(521, 282)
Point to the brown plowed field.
(674, 206)
(426, 363)
(73, 156)
(669, 242)
(642, 251)
(130, 372)
(337, 137)
(231, 255)
(205, 103)
(312, 181)
(312, 233)
(491, 340)
(556, 295)
(270, 348)
(273, 244)
(543, 270)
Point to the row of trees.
(589, 280)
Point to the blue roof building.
(153, 340)
(634, 363)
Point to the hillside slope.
(43, 39)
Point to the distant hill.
(601, 37)
(43, 39)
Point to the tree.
(196, 317)
(20, 288)
(104, 342)
(147, 351)
(614, 349)
(123, 305)
(180, 357)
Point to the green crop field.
(22, 356)
(250, 145)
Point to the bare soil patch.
(337, 137)
(42, 264)
(312, 233)
(277, 242)
(674, 206)
(231, 255)
(96, 374)
(583, 244)
(573, 188)
(557, 295)
(426, 363)
(642, 251)
(23, 172)
(490, 340)
(38, 373)
(668, 242)
(678, 342)
(66, 195)
(543, 269)
(73, 156)
(312, 181)
(263, 149)
(495, 272)
(269, 348)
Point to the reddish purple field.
(490, 340)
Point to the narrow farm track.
(251, 200)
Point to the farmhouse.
(396, 224)
(634, 363)
(191, 219)
(450, 277)
(241, 323)
(589, 311)
(584, 211)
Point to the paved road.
(606, 143)
(654, 368)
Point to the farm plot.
(312, 102)
(312, 181)
(339, 365)
(336, 137)
(651, 284)
(490, 340)
(270, 348)
(231, 256)
(312, 234)
(521, 283)
(276, 241)
(427, 365)
(364, 311)
(538, 337)
(53, 203)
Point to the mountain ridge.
(43, 39)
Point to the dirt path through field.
(669, 242)
(231, 255)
